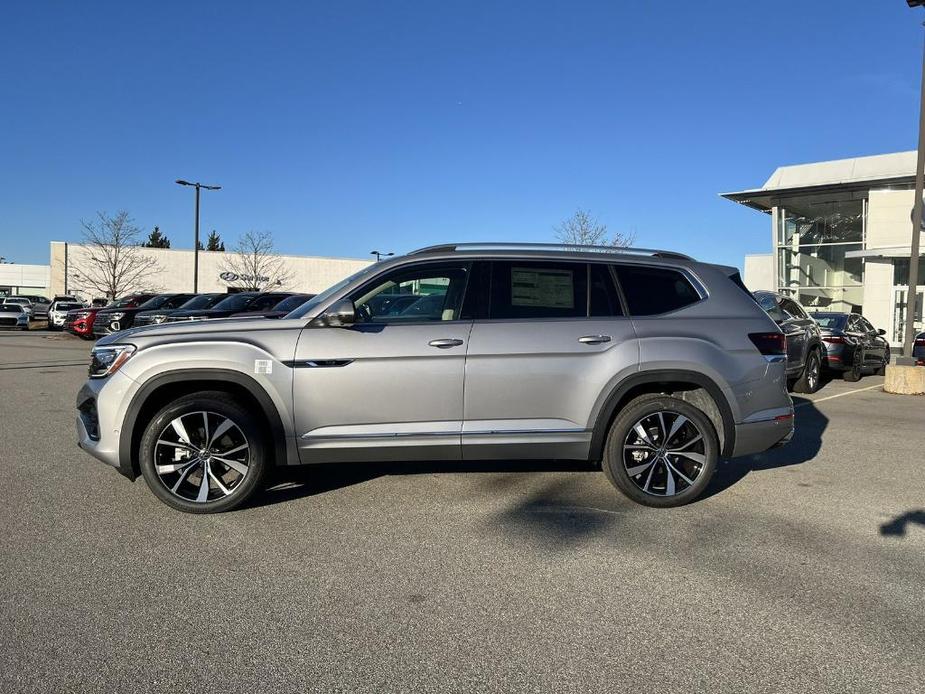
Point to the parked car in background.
(40, 305)
(57, 312)
(13, 316)
(279, 309)
(805, 350)
(99, 302)
(80, 321)
(232, 304)
(918, 349)
(161, 314)
(853, 346)
(67, 297)
(20, 301)
(649, 362)
(121, 315)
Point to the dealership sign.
(235, 277)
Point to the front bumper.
(101, 404)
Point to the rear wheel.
(808, 382)
(204, 453)
(661, 451)
(853, 374)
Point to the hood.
(220, 328)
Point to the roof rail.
(496, 246)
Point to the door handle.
(594, 339)
(445, 343)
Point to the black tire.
(886, 360)
(853, 374)
(809, 380)
(655, 476)
(219, 405)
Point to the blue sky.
(350, 126)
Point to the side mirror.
(881, 331)
(340, 314)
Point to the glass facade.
(812, 237)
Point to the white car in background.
(13, 316)
(21, 301)
(57, 312)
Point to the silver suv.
(648, 362)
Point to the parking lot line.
(837, 395)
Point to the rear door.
(550, 336)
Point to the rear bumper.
(756, 437)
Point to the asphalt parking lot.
(803, 570)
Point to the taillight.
(769, 344)
(833, 339)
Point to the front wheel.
(204, 453)
(808, 382)
(661, 451)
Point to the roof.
(855, 173)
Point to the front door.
(389, 387)
(553, 336)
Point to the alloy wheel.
(812, 373)
(201, 456)
(664, 453)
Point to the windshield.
(234, 302)
(22, 302)
(831, 321)
(291, 303)
(204, 301)
(124, 302)
(11, 308)
(68, 306)
(324, 296)
(155, 302)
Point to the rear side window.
(525, 289)
(650, 291)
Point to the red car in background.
(80, 322)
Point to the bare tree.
(581, 229)
(254, 263)
(112, 262)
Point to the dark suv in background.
(231, 304)
(853, 345)
(805, 349)
(119, 314)
(112, 319)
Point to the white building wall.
(25, 279)
(759, 272)
(175, 270)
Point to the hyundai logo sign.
(234, 277)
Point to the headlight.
(105, 361)
(118, 315)
(81, 314)
(159, 318)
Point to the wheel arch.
(696, 388)
(165, 387)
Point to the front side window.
(650, 291)
(412, 295)
(531, 289)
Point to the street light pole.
(911, 294)
(198, 186)
(379, 255)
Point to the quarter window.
(652, 290)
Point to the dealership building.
(171, 271)
(840, 237)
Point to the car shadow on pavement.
(897, 526)
(310, 480)
(810, 424)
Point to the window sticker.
(546, 288)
